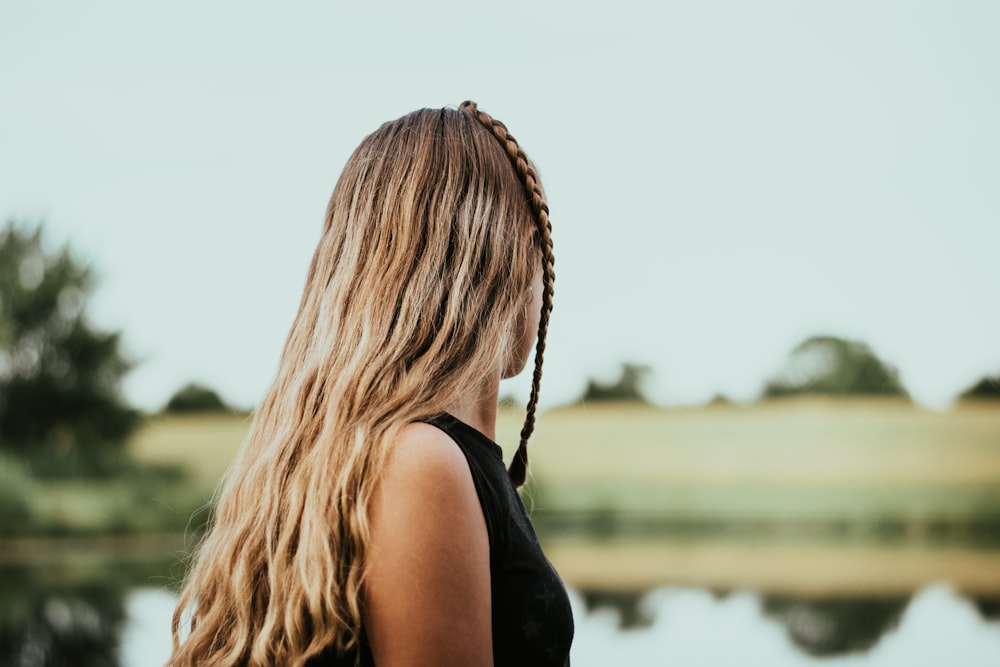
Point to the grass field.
(811, 441)
(822, 459)
(206, 445)
(805, 459)
(806, 496)
(808, 441)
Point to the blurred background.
(771, 425)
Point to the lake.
(804, 533)
(119, 614)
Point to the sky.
(725, 179)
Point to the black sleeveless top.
(532, 619)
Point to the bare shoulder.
(423, 450)
(428, 584)
(427, 476)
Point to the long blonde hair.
(432, 236)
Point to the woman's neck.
(479, 408)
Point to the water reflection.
(56, 625)
(684, 627)
(834, 626)
(60, 615)
(818, 626)
(120, 617)
(989, 608)
(146, 637)
(693, 627)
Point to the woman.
(369, 518)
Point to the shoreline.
(807, 571)
(804, 570)
(95, 549)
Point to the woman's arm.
(427, 594)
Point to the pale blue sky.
(725, 178)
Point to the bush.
(195, 397)
(837, 367)
(16, 489)
(987, 388)
(628, 386)
(60, 378)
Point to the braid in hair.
(519, 465)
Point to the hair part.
(411, 299)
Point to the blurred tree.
(194, 397)
(826, 627)
(986, 388)
(59, 377)
(628, 387)
(834, 366)
(62, 620)
(720, 400)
